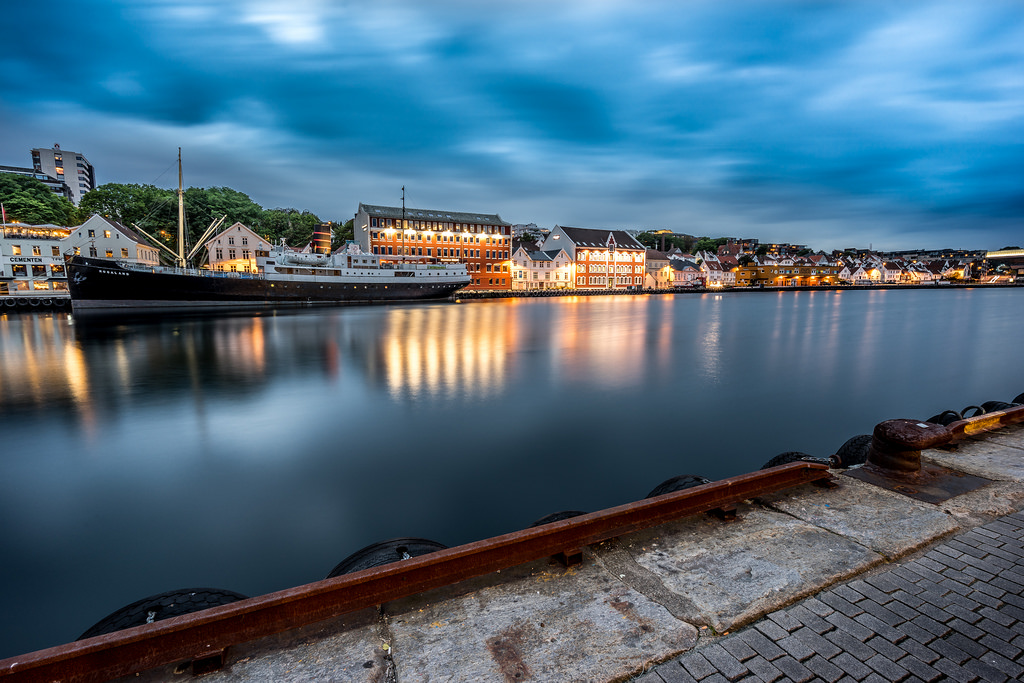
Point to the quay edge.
(642, 598)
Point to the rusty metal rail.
(202, 637)
(985, 423)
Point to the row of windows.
(36, 250)
(597, 280)
(22, 270)
(603, 256)
(232, 254)
(429, 237)
(433, 225)
(500, 281)
(442, 252)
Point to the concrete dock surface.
(852, 583)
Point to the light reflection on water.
(253, 453)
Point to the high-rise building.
(69, 167)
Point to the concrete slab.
(985, 504)
(348, 648)
(887, 522)
(982, 457)
(733, 572)
(538, 622)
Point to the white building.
(550, 269)
(104, 238)
(234, 249)
(71, 168)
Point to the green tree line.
(155, 210)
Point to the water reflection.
(272, 446)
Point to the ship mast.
(181, 216)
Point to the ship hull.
(104, 287)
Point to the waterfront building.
(234, 249)
(104, 238)
(58, 187)
(68, 167)
(482, 241)
(533, 269)
(778, 275)
(715, 273)
(604, 259)
(659, 270)
(32, 260)
(686, 274)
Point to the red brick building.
(481, 241)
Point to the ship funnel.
(322, 239)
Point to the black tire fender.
(792, 456)
(679, 483)
(385, 552)
(162, 606)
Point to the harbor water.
(254, 452)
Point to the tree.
(341, 233)
(761, 250)
(296, 227)
(28, 200)
(708, 244)
(745, 259)
(648, 239)
(150, 206)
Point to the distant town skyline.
(828, 124)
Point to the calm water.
(254, 453)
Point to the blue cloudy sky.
(895, 124)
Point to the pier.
(848, 581)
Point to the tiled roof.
(433, 215)
(598, 238)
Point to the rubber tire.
(680, 483)
(557, 517)
(853, 452)
(978, 410)
(385, 552)
(792, 456)
(1019, 399)
(164, 606)
(992, 406)
(945, 417)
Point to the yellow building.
(234, 249)
(786, 276)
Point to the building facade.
(482, 241)
(104, 238)
(32, 260)
(234, 249)
(541, 269)
(604, 259)
(71, 168)
(763, 275)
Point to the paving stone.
(796, 647)
(839, 604)
(889, 669)
(824, 669)
(851, 665)
(847, 643)
(882, 613)
(949, 651)
(920, 669)
(764, 669)
(793, 669)
(696, 665)
(1007, 650)
(727, 665)
(1011, 669)
(989, 674)
(761, 645)
(817, 643)
(771, 630)
(884, 647)
(966, 629)
(851, 626)
(738, 648)
(817, 607)
(673, 672)
(919, 651)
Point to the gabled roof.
(598, 238)
(682, 264)
(432, 215)
(127, 232)
(655, 255)
(549, 255)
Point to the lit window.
(37, 250)
(55, 251)
(92, 233)
(124, 253)
(16, 249)
(110, 253)
(106, 233)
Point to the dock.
(851, 581)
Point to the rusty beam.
(985, 423)
(204, 634)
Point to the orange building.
(482, 241)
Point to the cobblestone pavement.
(956, 613)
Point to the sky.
(895, 125)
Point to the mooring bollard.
(896, 445)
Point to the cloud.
(752, 116)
